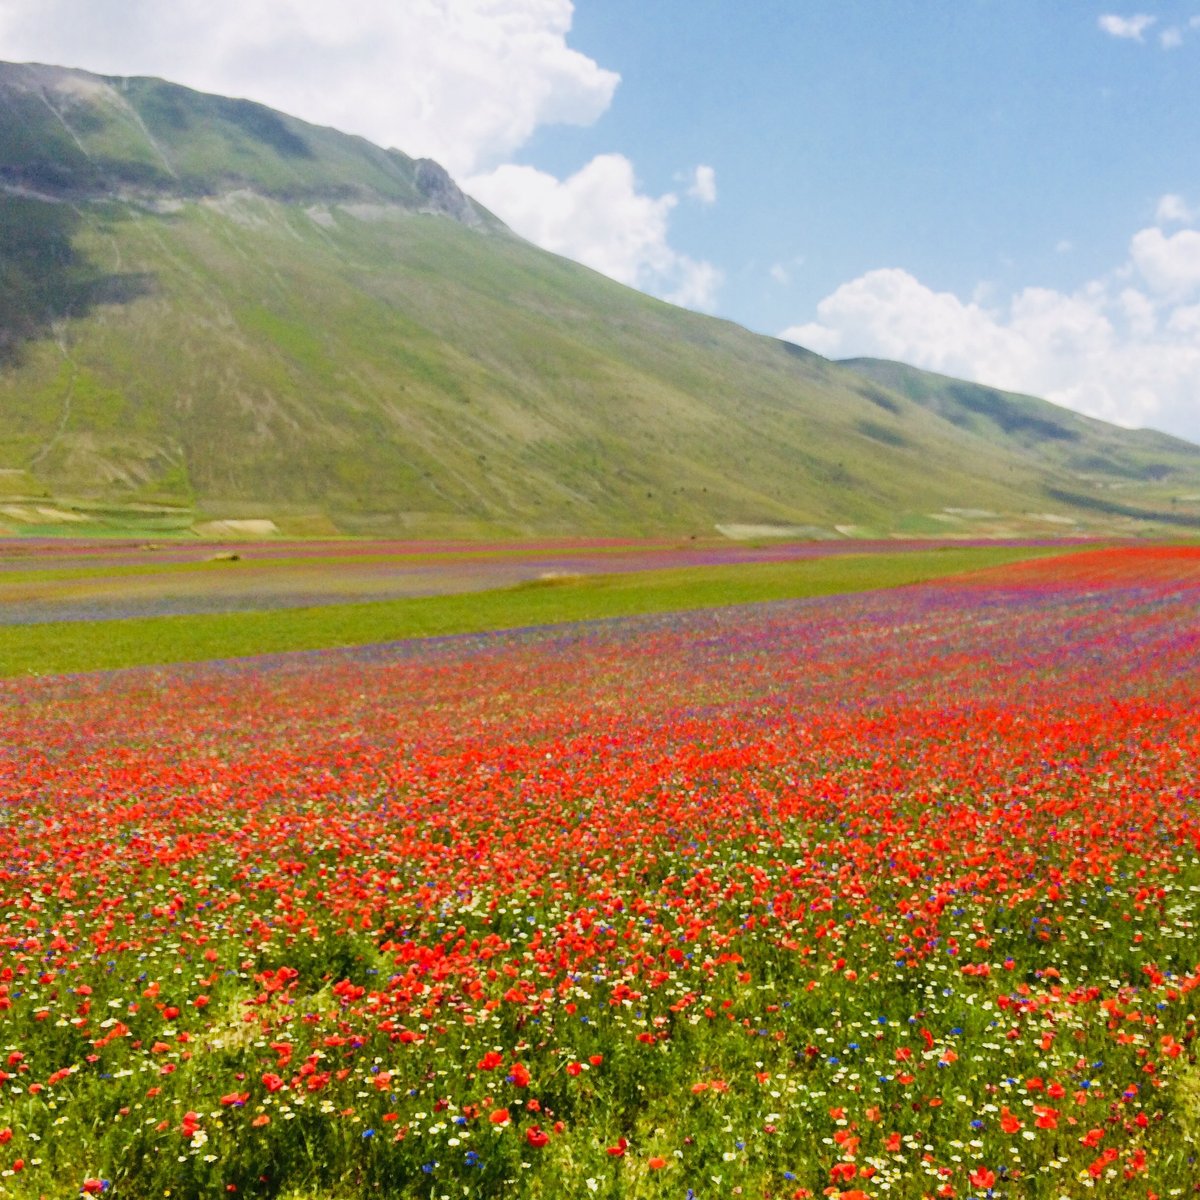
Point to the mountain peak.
(69, 134)
(443, 194)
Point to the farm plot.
(890, 895)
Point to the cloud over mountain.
(1125, 347)
(600, 218)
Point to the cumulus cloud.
(1125, 347)
(1173, 210)
(1171, 39)
(600, 218)
(704, 185)
(1131, 28)
(1169, 264)
(463, 81)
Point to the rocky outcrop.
(442, 195)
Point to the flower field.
(887, 895)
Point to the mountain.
(1095, 462)
(213, 312)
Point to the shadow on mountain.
(46, 279)
(1112, 508)
(1009, 416)
(170, 111)
(879, 398)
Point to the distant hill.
(213, 312)
(1089, 456)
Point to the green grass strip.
(69, 646)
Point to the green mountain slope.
(209, 310)
(1099, 467)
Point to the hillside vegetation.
(1089, 456)
(214, 312)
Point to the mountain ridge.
(133, 131)
(217, 312)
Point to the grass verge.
(69, 646)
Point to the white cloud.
(600, 218)
(782, 272)
(1131, 28)
(891, 312)
(696, 284)
(1169, 264)
(1171, 39)
(463, 81)
(1140, 313)
(1173, 209)
(1126, 352)
(1186, 320)
(704, 185)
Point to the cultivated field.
(59, 579)
(163, 603)
(884, 895)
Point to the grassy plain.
(70, 646)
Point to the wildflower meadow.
(892, 895)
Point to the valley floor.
(87, 605)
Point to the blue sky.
(1007, 190)
(964, 142)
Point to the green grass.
(56, 648)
